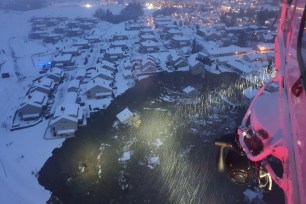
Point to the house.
(82, 44)
(102, 73)
(66, 119)
(179, 61)
(62, 60)
(52, 38)
(56, 74)
(253, 57)
(148, 66)
(80, 75)
(37, 34)
(113, 54)
(170, 27)
(125, 116)
(32, 105)
(44, 85)
(93, 39)
(86, 25)
(148, 47)
(74, 32)
(120, 44)
(173, 32)
(179, 41)
(61, 29)
(74, 86)
(242, 67)
(146, 31)
(226, 51)
(120, 36)
(127, 74)
(98, 88)
(147, 36)
(196, 67)
(74, 51)
(108, 65)
(127, 65)
(190, 91)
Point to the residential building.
(44, 85)
(98, 88)
(32, 105)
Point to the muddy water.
(176, 130)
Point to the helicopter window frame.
(301, 46)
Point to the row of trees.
(22, 5)
(130, 12)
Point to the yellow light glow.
(88, 5)
(149, 6)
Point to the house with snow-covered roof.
(66, 118)
(120, 44)
(127, 74)
(82, 44)
(93, 39)
(108, 65)
(127, 65)
(98, 88)
(179, 41)
(179, 61)
(173, 32)
(196, 67)
(148, 66)
(113, 54)
(60, 29)
(80, 74)
(56, 74)
(73, 86)
(120, 36)
(102, 73)
(52, 38)
(32, 105)
(148, 47)
(74, 32)
(62, 60)
(147, 36)
(37, 34)
(190, 91)
(125, 116)
(44, 85)
(226, 51)
(146, 31)
(74, 51)
(242, 67)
